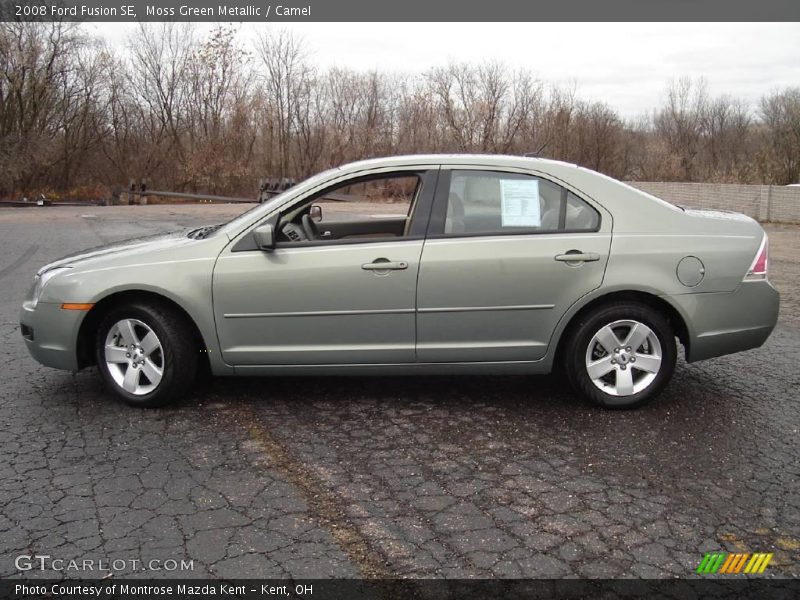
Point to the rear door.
(507, 254)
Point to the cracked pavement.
(390, 477)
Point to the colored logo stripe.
(733, 563)
(711, 562)
(758, 563)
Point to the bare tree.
(160, 55)
(201, 112)
(220, 136)
(726, 127)
(37, 74)
(680, 123)
(286, 74)
(780, 112)
(82, 113)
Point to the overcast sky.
(627, 65)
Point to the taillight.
(758, 270)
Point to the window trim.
(439, 212)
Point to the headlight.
(40, 281)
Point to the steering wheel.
(310, 228)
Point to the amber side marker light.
(76, 306)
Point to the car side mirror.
(315, 212)
(264, 236)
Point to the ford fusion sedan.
(438, 264)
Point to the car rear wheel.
(621, 355)
(146, 353)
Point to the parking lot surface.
(389, 477)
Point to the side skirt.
(462, 368)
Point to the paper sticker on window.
(520, 203)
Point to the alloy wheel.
(134, 356)
(623, 358)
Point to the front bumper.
(51, 334)
(727, 322)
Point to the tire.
(602, 369)
(163, 363)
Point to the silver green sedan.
(448, 264)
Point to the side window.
(356, 209)
(372, 198)
(491, 202)
(580, 215)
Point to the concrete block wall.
(762, 202)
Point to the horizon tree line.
(207, 113)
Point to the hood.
(159, 241)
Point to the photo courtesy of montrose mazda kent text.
(436, 264)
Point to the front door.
(343, 292)
(507, 255)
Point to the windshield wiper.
(202, 232)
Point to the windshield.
(266, 208)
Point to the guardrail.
(46, 202)
(144, 194)
(139, 194)
(267, 188)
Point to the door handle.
(385, 265)
(577, 256)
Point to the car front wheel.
(146, 353)
(621, 355)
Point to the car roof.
(524, 162)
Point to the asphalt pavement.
(387, 477)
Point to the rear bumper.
(728, 322)
(51, 334)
